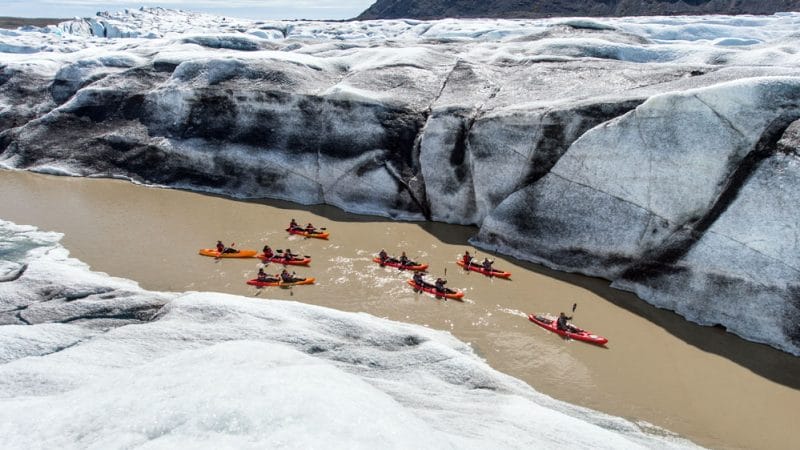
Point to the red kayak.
(412, 266)
(450, 293)
(579, 335)
(276, 282)
(297, 261)
(480, 269)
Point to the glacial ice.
(612, 147)
(214, 370)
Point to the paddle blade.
(574, 305)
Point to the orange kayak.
(257, 283)
(314, 234)
(240, 254)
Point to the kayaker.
(294, 226)
(265, 277)
(419, 280)
(383, 256)
(487, 265)
(561, 323)
(287, 277)
(467, 259)
(288, 255)
(439, 285)
(310, 228)
(268, 253)
(404, 259)
(222, 249)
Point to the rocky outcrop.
(588, 146)
(439, 9)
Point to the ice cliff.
(659, 153)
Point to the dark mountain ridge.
(438, 9)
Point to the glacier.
(657, 152)
(92, 361)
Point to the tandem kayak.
(480, 269)
(240, 254)
(257, 283)
(314, 234)
(549, 323)
(284, 261)
(449, 293)
(412, 266)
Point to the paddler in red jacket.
(467, 259)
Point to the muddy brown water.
(707, 385)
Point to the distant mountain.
(438, 9)
(15, 22)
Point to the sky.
(254, 9)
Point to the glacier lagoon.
(101, 362)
